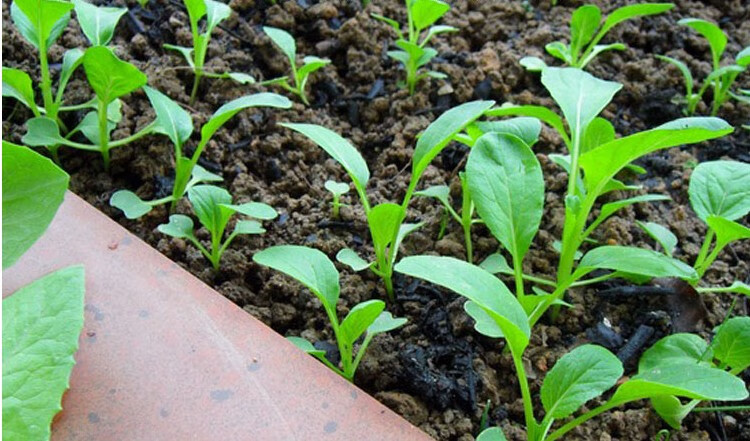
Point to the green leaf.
(543, 113)
(337, 188)
(257, 210)
(339, 148)
(384, 221)
(129, 203)
(727, 231)
(187, 53)
(442, 131)
(109, 76)
(671, 409)
(496, 264)
(578, 376)
(743, 57)
(426, 12)
(524, 127)
(436, 30)
(720, 188)
(306, 346)
(310, 65)
(492, 434)
(604, 162)
(560, 51)
(71, 60)
(97, 22)
(41, 20)
(598, 49)
(661, 234)
(248, 227)
(308, 266)
(240, 77)
(385, 323)
(532, 64)
(349, 257)
(439, 192)
(483, 321)
(684, 69)
(634, 260)
(599, 132)
(736, 287)
(179, 226)
(216, 12)
(33, 189)
(403, 231)
(209, 203)
(17, 84)
(40, 335)
(171, 119)
(200, 174)
(732, 343)
(506, 184)
(580, 95)
(717, 40)
(611, 208)
(583, 26)
(284, 41)
(477, 285)
(631, 11)
(675, 350)
(228, 110)
(359, 319)
(391, 22)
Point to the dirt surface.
(435, 371)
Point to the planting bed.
(435, 371)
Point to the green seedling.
(587, 371)
(584, 39)
(215, 12)
(414, 53)
(386, 220)
(720, 79)
(337, 189)
(315, 271)
(111, 79)
(501, 165)
(213, 207)
(174, 122)
(300, 75)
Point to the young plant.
(386, 220)
(315, 271)
(413, 53)
(721, 78)
(215, 12)
(587, 371)
(173, 121)
(301, 74)
(584, 39)
(111, 79)
(501, 167)
(213, 206)
(337, 189)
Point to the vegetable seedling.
(111, 79)
(587, 371)
(721, 78)
(414, 53)
(300, 75)
(337, 189)
(215, 12)
(584, 39)
(213, 206)
(315, 271)
(173, 121)
(386, 220)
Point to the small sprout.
(721, 78)
(414, 53)
(337, 189)
(315, 270)
(213, 206)
(584, 39)
(310, 64)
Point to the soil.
(435, 371)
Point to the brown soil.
(436, 371)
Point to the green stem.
(467, 211)
(148, 129)
(722, 409)
(46, 84)
(196, 83)
(581, 419)
(518, 275)
(335, 206)
(704, 248)
(523, 382)
(103, 133)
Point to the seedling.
(721, 78)
(215, 12)
(111, 79)
(213, 206)
(584, 39)
(315, 271)
(386, 220)
(337, 189)
(501, 165)
(300, 75)
(173, 121)
(413, 53)
(587, 371)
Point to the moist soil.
(436, 371)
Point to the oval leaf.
(720, 188)
(636, 261)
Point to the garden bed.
(435, 371)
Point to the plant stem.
(518, 275)
(103, 133)
(148, 129)
(335, 206)
(467, 211)
(46, 82)
(196, 82)
(704, 248)
(581, 419)
(523, 382)
(722, 409)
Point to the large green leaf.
(171, 119)
(635, 261)
(727, 231)
(196, 10)
(611, 208)
(583, 26)
(41, 325)
(732, 343)
(524, 127)
(631, 11)
(384, 221)
(17, 84)
(179, 226)
(41, 20)
(426, 12)
(359, 319)
(720, 188)
(97, 22)
(542, 113)
(717, 40)
(661, 234)
(216, 12)
(131, 205)
(109, 76)
(506, 184)
(384, 323)
(228, 110)
(284, 41)
(42, 131)
(209, 203)
(308, 266)
(580, 375)
(674, 350)
(492, 434)
(33, 189)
